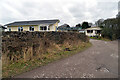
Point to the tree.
(111, 28)
(78, 25)
(65, 25)
(85, 25)
(68, 26)
(99, 23)
(90, 24)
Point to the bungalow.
(93, 31)
(37, 25)
(82, 31)
(67, 28)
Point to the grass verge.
(21, 66)
(101, 38)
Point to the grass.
(21, 66)
(101, 38)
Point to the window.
(31, 28)
(9, 28)
(97, 31)
(20, 29)
(89, 31)
(43, 28)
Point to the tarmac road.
(99, 61)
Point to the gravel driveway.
(99, 61)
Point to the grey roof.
(1, 26)
(35, 22)
(82, 30)
(64, 26)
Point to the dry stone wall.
(31, 45)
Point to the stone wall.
(31, 45)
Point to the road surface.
(99, 61)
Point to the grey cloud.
(101, 10)
(71, 12)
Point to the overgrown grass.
(100, 38)
(21, 66)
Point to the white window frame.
(20, 29)
(91, 31)
(31, 27)
(9, 29)
(44, 30)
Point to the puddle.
(102, 69)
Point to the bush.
(109, 33)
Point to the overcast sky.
(67, 11)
